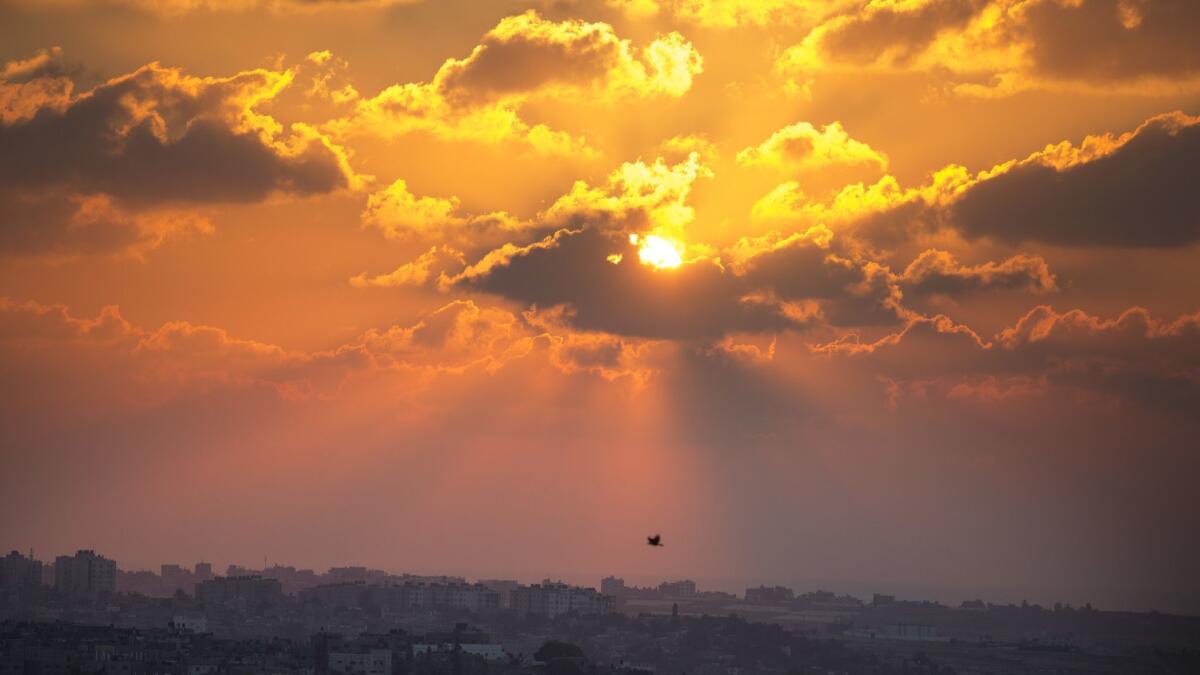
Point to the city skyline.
(1167, 601)
(852, 295)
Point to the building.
(614, 586)
(489, 652)
(677, 589)
(203, 571)
(348, 594)
(175, 578)
(767, 595)
(20, 573)
(188, 624)
(472, 597)
(242, 592)
(553, 598)
(502, 586)
(361, 662)
(85, 574)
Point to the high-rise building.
(85, 574)
(244, 591)
(502, 586)
(678, 589)
(203, 571)
(19, 572)
(612, 586)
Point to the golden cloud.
(108, 169)
(803, 146)
(727, 14)
(526, 57)
(1129, 189)
(179, 356)
(399, 214)
(999, 47)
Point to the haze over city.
(855, 297)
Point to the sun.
(658, 251)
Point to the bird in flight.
(656, 540)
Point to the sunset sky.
(891, 295)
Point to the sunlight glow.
(658, 251)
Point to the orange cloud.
(727, 14)
(399, 214)
(999, 47)
(1131, 189)
(129, 152)
(177, 7)
(938, 272)
(803, 146)
(526, 57)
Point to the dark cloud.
(1106, 40)
(512, 61)
(1142, 193)
(156, 136)
(849, 291)
(1133, 358)
(895, 34)
(525, 53)
(54, 223)
(150, 139)
(699, 299)
(937, 272)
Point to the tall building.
(245, 591)
(203, 571)
(17, 571)
(502, 586)
(678, 589)
(612, 586)
(85, 574)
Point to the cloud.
(178, 357)
(109, 168)
(400, 215)
(1136, 189)
(526, 57)
(526, 54)
(176, 7)
(158, 135)
(636, 196)
(999, 47)
(1120, 190)
(1134, 357)
(803, 146)
(883, 32)
(1113, 40)
(700, 299)
(28, 85)
(836, 286)
(591, 267)
(460, 339)
(60, 223)
(431, 265)
(937, 272)
(727, 14)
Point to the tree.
(557, 649)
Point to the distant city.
(82, 613)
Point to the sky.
(886, 295)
